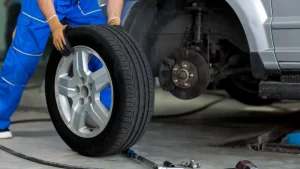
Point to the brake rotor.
(189, 74)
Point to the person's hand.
(59, 36)
(114, 21)
(6, 2)
(57, 32)
(14, 33)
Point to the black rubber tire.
(133, 90)
(244, 96)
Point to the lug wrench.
(132, 154)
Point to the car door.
(286, 32)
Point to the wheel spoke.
(66, 64)
(99, 113)
(79, 86)
(66, 87)
(78, 116)
(80, 63)
(101, 79)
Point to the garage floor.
(168, 138)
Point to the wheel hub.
(183, 74)
(84, 91)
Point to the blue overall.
(32, 32)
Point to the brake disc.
(185, 74)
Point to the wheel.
(101, 97)
(245, 89)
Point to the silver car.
(249, 48)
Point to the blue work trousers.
(32, 32)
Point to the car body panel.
(257, 26)
(255, 22)
(286, 33)
(128, 4)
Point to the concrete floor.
(173, 138)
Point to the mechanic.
(36, 20)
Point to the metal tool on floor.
(132, 154)
(191, 164)
(168, 164)
(245, 164)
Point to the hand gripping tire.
(133, 91)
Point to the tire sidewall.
(243, 96)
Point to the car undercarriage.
(195, 45)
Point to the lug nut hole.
(82, 80)
(81, 101)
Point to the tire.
(245, 92)
(133, 87)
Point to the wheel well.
(160, 27)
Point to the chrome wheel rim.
(79, 92)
